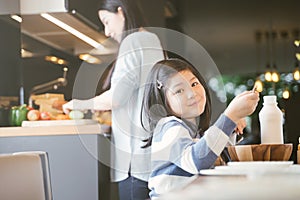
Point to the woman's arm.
(101, 102)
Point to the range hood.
(38, 27)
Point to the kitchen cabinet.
(78, 156)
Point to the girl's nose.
(191, 93)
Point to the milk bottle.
(271, 118)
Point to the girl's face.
(113, 23)
(186, 95)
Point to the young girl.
(177, 110)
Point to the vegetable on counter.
(18, 114)
(76, 114)
(62, 117)
(33, 115)
(45, 116)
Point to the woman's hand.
(102, 102)
(242, 105)
(67, 107)
(72, 105)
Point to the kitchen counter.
(79, 157)
(53, 130)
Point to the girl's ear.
(121, 13)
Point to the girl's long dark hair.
(132, 13)
(155, 105)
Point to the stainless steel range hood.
(39, 28)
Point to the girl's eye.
(179, 91)
(195, 83)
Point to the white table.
(268, 186)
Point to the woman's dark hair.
(155, 105)
(131, 10)
(105, 79)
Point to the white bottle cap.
(270, 99)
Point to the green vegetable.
(17, 115)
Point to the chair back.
(25, 176)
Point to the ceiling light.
(26, 54)
(89, 59)
(296, 73)
(298, 56)
(286, 93)
(297, 43)
(71, 30)
(60, 61)
(17, 18)
(53, 59)
(258, 85)
(56, 60)
(275, 76)
(268, 76)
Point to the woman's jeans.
(133, 189)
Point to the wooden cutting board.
(58, 122)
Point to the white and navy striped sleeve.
(175, 144)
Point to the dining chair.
(25, 176)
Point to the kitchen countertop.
(52, 130)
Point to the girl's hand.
(242, 105)
(240, 125)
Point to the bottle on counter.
(271, 121)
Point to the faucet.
(54, 84)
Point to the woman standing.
(139, 51)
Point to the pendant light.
(296, 33)
(258, 83)
(286, 93)
(275, 74)
(268, 74)
(296, 73)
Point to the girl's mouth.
(193, 103)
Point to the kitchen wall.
(10, 70)
(227, 30)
